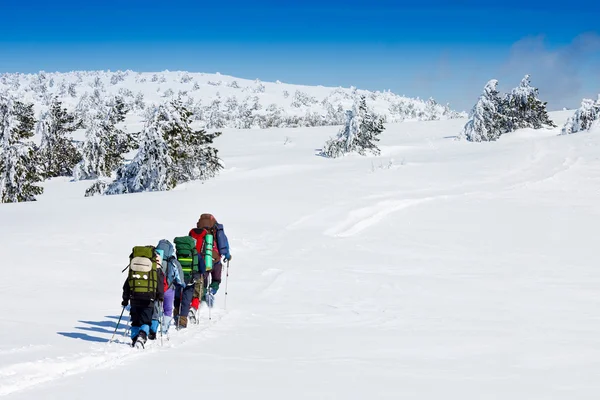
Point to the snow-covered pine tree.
(191, 151)
(94, 152)
(584, 118)
(359, 134)
(19, 171)
(486, 122)
(105, 144)
(170, 153)
(57, 152)
(151, 169)
(524, 109)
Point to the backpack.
(200, 234)
(187, 255)
(143, 276)
(170, 265)
(206, 221)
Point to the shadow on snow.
(106, 327)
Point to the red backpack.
(206, 224)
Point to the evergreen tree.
(19, 171)
(170, 153)
(584, 118)
(104, 144)
(193, 157)
(151, 168)
(57, 152)
(523, 108)
(486, 122)
(359, 134)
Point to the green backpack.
(143, 277)
(187, 255)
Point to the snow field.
(441, 269)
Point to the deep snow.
(440, 270)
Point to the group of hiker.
(168, 282)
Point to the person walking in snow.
(207, 224)
(173, 279)
(142, 288)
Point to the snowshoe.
(139, 341)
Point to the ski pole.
(180, 302)
(117, 327)
(127, 328)
(161, 321)
(226, 281)
(208, 293)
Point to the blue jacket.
(222, 241)
(171, 266)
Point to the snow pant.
(197, 292)
(183, 299)
(167, 311)
(141, 316)
(215, 276)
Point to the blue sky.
(428, 49)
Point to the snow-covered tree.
(19, 171)
(170, 153)
(104, 144)
(584, 118)
(57, 152)
(524, 109)
(191, 151)
(359, 134)
(150, 169)
(486, 122)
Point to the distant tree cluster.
(495, 114)
(169, 151)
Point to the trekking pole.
(161, 321)
(213, 299)
(226, 280)
(117, 327)
(127, 329)
(180, 303)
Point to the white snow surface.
(442, 269)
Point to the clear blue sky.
(433, 48)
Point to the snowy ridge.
(217, 100)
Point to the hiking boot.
(183, 322)
(142, 337)
(193, 315)
(152, 336)
(140, 340)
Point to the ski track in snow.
(536, 172)
(21, 376)
(360, 219)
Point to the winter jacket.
(172, 269)
(222, 241)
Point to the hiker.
(142, 288)
(173, 279)
(205, 225)
(185, 249)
